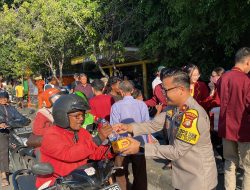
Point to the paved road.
(159, 179)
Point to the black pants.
(4, 151)
(139, 171)
(217, 143)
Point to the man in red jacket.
(66, 145)
(234, 121)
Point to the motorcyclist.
(89, 122)
(43, 118)
(66, 145)
(9, 117)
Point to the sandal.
(5, 182)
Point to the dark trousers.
(4, 151)
(217, 143)
(139, 171)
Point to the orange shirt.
(40, 85)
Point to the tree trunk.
(50, 64)
(102, 71)
(61, 70)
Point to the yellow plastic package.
(120, 144)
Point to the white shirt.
(155, 82)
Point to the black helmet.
(4, 94)
(67, 104)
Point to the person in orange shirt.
(40, 85)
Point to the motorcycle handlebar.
(16, 124)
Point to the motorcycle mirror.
(42, 169)
(32, 111)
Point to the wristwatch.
(142, 149)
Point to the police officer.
(187, 123)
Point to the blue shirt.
(129, 110)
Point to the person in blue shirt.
(129, 110)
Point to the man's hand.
(122, 128)
(105, 131)
(212, 88)
(3, 126)
(133, 148)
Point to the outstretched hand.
(122, 128)
(133, 148)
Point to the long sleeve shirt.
(129, 110)
(201, 92)
(155, 82)
(157, 98)
(211, 101)
(234, 93)
(192, 164)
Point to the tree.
(177, 32)
(206, 33)
(44, 32)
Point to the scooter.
(92, 176)
(20, 155)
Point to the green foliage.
(51, 32)
(176, 32)
(205, 32)
(41, 32)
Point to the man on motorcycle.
(43, 118)
(66, 145)
(9, 117)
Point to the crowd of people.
(194, 118)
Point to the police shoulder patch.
(188, 131)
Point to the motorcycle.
(92, 176)
(20, 155)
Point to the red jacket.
(211, 101)
(59, 149)
(42, 121)
(158, 97)
(201, 92)
(234, 93)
